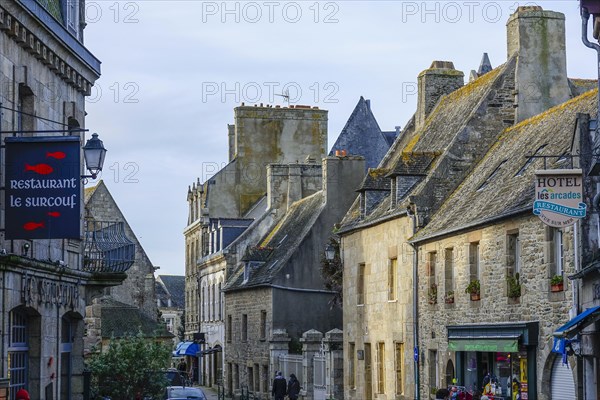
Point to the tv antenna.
(285, 95)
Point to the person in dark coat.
(293, 388)
(279, 386)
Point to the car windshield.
(185, 393)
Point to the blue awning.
(575, 325)
(186, 349)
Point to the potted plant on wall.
(556, 283)
(432, 294)
(449, 298)
(474, 289)
(514, 286)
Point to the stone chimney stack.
(537, 38)
(440, 79)
(341, 177)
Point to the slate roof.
(120, 320)
(175, 286)
(375, 179)
(362, 136)
(506, 193)
(418, 151)
(278, 245)
(413, 164)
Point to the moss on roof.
(508, 192)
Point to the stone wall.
(536, 303)
(254, 350)
(380, 319)
(138, 289)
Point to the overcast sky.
(172, 72)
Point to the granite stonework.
(46, 72)
(460, 176)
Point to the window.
(214, 302)
(19, 351)
(392, 279)
(380, 367)
(559, 251)
(228, 329)
(399, 361)
(351, 368)
(204, 303)
(25, 106)
(433, 369)
(220, 302)
(529, 161)
(474, 261)
(263, 325)
(244, 327)
(491, 176)
(251, 379)
(68, 327)
(449, 272)
(360, 285)
(513, 254)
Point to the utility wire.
(35, 116)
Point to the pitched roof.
(120, 320)
(375, 179)
(175, 286)
(509, 186)
(469, 116)
(362, 136)
(278, 245)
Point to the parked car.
(184, 393)
(174, 378)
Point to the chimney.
(440, 79)
(231, 137)
(341, 178)
(537, 38)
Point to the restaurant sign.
(559, 197)
(43, 187)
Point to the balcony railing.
(106, 248)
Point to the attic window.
(529, 161)
(564, 158)
(492, 175)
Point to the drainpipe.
(411, 212)
(585, 16)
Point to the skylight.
(492, 175)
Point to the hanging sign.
(559, 197)
(43, 187)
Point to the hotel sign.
(43, 187)
(559, 197)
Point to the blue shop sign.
(43, 187)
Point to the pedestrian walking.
(293, 387)
(279, 387)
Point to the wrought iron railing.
(106, 248)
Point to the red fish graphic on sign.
(59, 155)
(30, 226)
(54, 214)
(42, 169)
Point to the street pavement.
(211, 393)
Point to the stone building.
(45, 75)
(275, 277)
(138, 289)
(223, 206)
(170, 300)
(453, 128)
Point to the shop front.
(496, 359)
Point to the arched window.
(18, 351)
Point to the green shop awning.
(484, 345)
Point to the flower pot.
(475, 297)
(557, 288)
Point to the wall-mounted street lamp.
(329, 252)
(94, 153)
